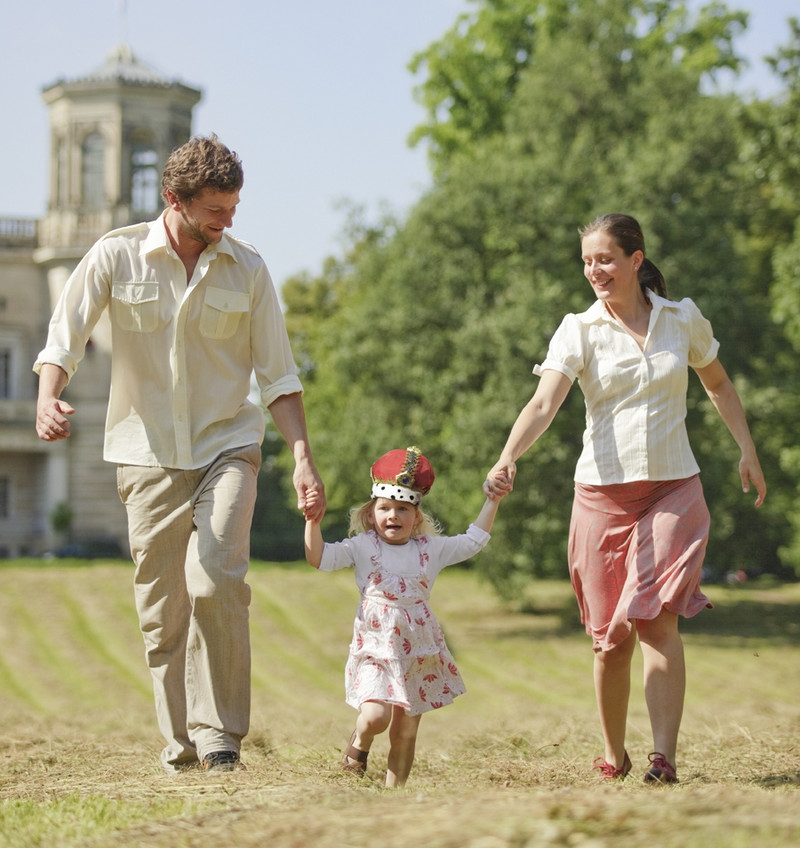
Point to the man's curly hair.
(199, 164)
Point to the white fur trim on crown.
(396, 493)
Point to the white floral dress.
(398, 652)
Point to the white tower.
(110, 135)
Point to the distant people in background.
(399, 665)
(194, 313)
(639, 524)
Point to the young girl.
(399, 665)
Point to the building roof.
(120, 66)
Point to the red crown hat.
(402, 475)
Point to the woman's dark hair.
(627, 233)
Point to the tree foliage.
(541, 116)
(473, 71)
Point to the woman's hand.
(750, 472)
(500, 480)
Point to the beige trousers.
(189, 534)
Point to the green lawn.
(509, 764)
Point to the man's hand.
(52, 423)
(313, 504)
(311, 499)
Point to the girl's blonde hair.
(362, 520)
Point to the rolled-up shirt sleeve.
(76, 313)
(273, 362)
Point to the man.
(194, 314)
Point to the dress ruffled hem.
(417, 684)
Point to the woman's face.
(612, 274)
(394, 520)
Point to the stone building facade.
(110, 135)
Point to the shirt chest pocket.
(222, 312)
(134, 306)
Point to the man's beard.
(192, 229)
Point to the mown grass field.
(509, 764)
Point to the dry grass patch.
(509, 764)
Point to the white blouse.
(635, 398)
(403, 560)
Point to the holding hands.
(313, 504)
(500, 480)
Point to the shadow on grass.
(772, 780)
(748, 618)
(734, 618)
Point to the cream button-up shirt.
(182, 354)
(635, 398)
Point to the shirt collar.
(157, 239)
(597, 313)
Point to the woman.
(639, 524)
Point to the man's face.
(206, 216)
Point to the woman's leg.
(612, 684)
(403, 743)
(664, 680)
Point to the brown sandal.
(352, 753)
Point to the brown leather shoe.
(359, 767)
(221, 761)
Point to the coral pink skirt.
(635, 549)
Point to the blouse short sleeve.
(565, 353)
(703, 347)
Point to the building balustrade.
(18, 232)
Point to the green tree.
(785, 398)
(771, 164)
(277, 530)
(471, 75)
(427, 331)
(472, 72)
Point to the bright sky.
(314, 95)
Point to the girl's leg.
(612, 684)
(664, 680)
(373, 718)
(402, 744)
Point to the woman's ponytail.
(651, 278)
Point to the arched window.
(93, 193)
(144, 180)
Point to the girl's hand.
(500, 480)
(313, 507)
